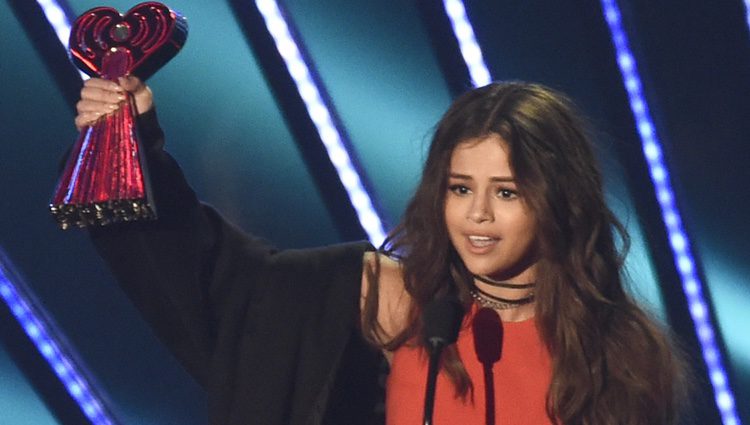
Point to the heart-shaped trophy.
(105, 179)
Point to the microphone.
(488, 344)
(441, 320)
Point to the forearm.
(162, 264)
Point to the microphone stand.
(488, 345)
(442, 320)
(489, 394)
(436, 349)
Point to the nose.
(480, 210)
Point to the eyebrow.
(468, 177)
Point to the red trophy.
(105, 179)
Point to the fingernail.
(121, 97)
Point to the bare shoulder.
(393, 300)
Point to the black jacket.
(271, 335)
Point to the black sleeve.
(190, 272)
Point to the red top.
(521, 380)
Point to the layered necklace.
(494, 302)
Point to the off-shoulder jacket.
(271, 335)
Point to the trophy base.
(101, 213)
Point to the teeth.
(481, 241)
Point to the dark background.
(389, 84)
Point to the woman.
(509, 218)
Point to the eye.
(459, 189)
(505, 193)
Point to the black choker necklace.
(500, 284)
(490, 301)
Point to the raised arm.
(254, 325)
(174, 269)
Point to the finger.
(87, 118)
(85, 105)
(101, 95)
(141, 93)
(131, 84)
(102, 84)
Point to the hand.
(100, 97)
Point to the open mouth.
(482, 241)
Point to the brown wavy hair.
(612, 364)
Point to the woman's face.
(488, 221)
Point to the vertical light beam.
(321, 116)
(678, 238)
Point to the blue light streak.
(678, 238)
(56, 17)
(41, 332)
(321, 116)
(60, 23)
(467, 43)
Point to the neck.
(507, 292)
(503, 283)
(510, 290)
(519, 314)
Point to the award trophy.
(105, 179)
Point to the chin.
(500, 270)
(484, 269)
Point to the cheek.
(524, 226)
(528, 223)
(452, 215)
(527, 235)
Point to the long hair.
(610, 362)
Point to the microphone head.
(488, 336)
(441, 319)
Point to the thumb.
(131, 84)
(141, 93)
